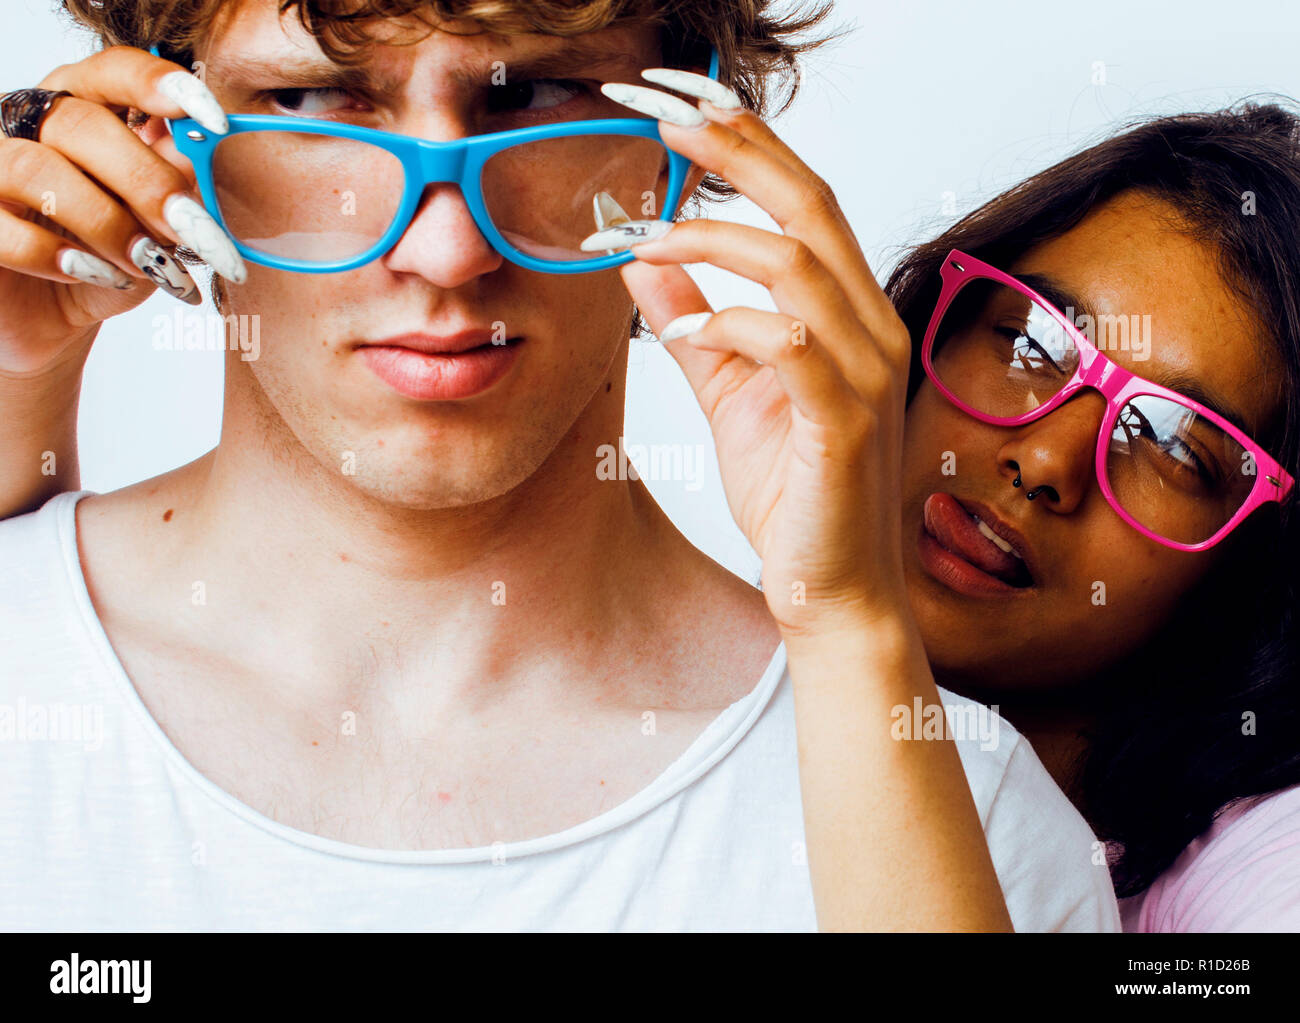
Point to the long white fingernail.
(196, 228)
(654, 103)
(623, 236)
(92, 270)
(195, 98)
(684, 325)
(699, 86)
(161, 267)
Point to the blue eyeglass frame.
(459, 162)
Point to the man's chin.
(424, 481)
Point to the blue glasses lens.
(304, 196)
(546, 196)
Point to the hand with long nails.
(806, 408)
(812, 422)
(91, 212)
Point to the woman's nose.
(1055, 456)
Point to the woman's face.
(1100, 587)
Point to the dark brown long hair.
(1209, 710)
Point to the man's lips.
(437, 344)
(430, 368)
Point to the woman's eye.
(1025, 351)
(534, 94)
(309, 102)
(1172, 447)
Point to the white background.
(922, 112)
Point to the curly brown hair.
(758, 49)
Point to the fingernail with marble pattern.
(92, 270)
(699, 86)
(195, 98)
(607, 211)
(196, 228)
(654, 103)
(624, 236)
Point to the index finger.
(123, 76)
(737, 145)
(741, 148)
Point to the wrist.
(54, 375)
(864, 629)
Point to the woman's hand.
(85, 219)
(806, 403)
(88, 215)
(806, 407)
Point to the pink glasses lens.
(1000, 352)
(1176, 472)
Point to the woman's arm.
(894, 840)
(806, 409)
(38, 431)
(84, 236)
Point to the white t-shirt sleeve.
(1050, 864)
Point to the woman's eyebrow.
(1065, 300)
(1175, 379)
(1191, 387)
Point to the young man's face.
(314, 384)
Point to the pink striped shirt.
(1243, 874)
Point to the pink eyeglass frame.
(1116, 384)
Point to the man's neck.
(311, 570)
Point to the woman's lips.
(955, 552)
(441, 376)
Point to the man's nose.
(442, 243)
(1057, 452)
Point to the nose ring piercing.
(1031, 494)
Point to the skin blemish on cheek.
(167, 515)
(608, 385)
(315, 743)
(444, 797)
(342, 556)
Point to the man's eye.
(534, 94)
(309, 102)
